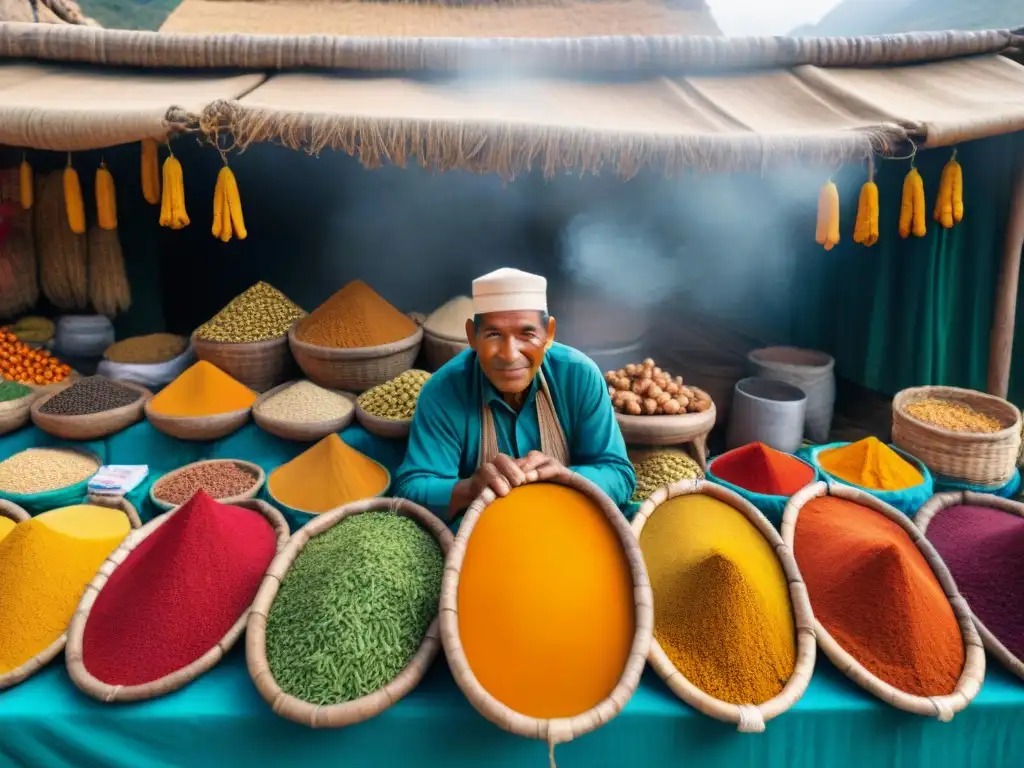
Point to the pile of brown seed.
(220, 480)
(94, 394)
(948, 414)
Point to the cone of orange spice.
(25, 364)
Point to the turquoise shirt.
(444, 440)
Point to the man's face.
(511, 347)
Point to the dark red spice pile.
(761, 469)
(178, 593)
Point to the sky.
(757, 17)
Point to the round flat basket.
(260, 365)
(935, 507)
(198, 427)
(90, 426)
(749, 718)
(355, 370)
(15, 414)
(258, 478)
(375, 425)
(666, 430)
(365, 707)
(12, 511)
(48, 654)
(107, 693)
(985, 459)
(560, 730)
(37, 502)
(302, 431)
(439, 349)
(967, 687)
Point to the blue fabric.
(907, 501)
(444, 441)
(770, 506)
(1008, 491)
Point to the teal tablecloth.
(220, 720)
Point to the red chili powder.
(872, 589)
(761, 469)
(177, 594)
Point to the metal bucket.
(767, 411)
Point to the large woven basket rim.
(555, 730)
(106, 692)
(679, 428)
(973, 673)
(77, 449)
(380, 495)
(358, 353)
(13, 511)
(750, 717)
(24, 671)
(108, 422)
(239, 346)
(365, 707)
(938, 504)
(913, 394)
(259, 478)
(289, 429)
(375, 425)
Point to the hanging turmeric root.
(172, 201)
(865, 229)
(912, 215)
(150, 171)
(957, 191)
(106, 198)
(25, 191)
(228, 220)
(73, 205)
(827, 233)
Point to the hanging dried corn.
(151, 171)
(172, 201)
(227, 207)
(106, 198)
(26, 193)
(949, 204)
(73, 204)
(865, 228)
(912, 205)
(827, 231)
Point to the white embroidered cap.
(509, 290)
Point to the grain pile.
(109, 291)
(146, 350)
(259, 313)
(353, 318)
(305, 402)
(661, 467)
(450, 318)
(94, 394)
(951, 415)
(395, 400)
(63, 254)
(353, 609)
(19, 283)
(35, 470)
(220, 480)
(644, 389)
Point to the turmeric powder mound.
(354, 317)
(326, 476)
(45, 565)
(870, 463)
(722, 612)
(6, 526)
(546, 613)
(203, 390)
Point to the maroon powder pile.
(984, 549)
(178, 593)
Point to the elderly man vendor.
(515, 406)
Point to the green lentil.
(395, 399)
(662, 467)
(353, 608)
(260, 313)
(13, 390)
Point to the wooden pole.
(1000, 348)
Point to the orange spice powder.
(328, 475)
(203, 390)
(354, 317)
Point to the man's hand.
(501, 476)
(538, 467)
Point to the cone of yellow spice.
(872, 466)
(203, 403)
(45, 565)
(328, 475)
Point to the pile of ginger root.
(644, 389)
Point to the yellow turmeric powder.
(326, 476)
(203, 390)
(546, 612)
(45, 565)
(722, 612)
(355, 316)
(870, 463)
(6, 526)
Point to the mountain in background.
(880, 17)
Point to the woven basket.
(198, 427)
(260, 365)
(91, 426)
(107, 693)
(355, 370)
(977, 458)
(14, 414)
(258, 478)
(375, 425)
(12, 511)
(48, 654)
(117, 502)
(670, 430)
(935, 506)
(561, 730)
(439, 349)
(967, 687)
(749, 718)
(365, 707)
(303, 431)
